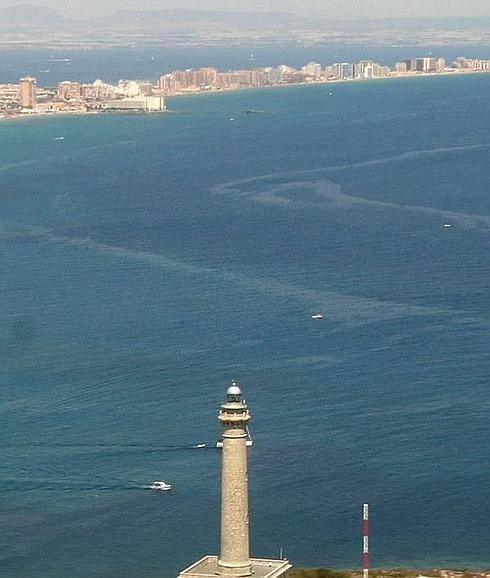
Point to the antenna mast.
(365, 540)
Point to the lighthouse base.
(235, 569)
(208, 567)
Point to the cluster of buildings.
(472, 64)
(426, 64)
(145, 96)
(192, 80)
(74, 97)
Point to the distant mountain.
(30, 15)
(194, 17)
(32, 25)
(442, 23)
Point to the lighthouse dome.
(234, 394)
(233, 389)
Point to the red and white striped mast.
(365, 540)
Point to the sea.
(148, 261)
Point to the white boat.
(161, 486)
(201, 445)
(317, 316)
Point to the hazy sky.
(324, 8)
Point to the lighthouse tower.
(234, 417)
(234, 559)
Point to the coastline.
(398, 572)
(446, 73)
(181, 178)
(453, 72)
(74, 113)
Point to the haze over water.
(146, 261)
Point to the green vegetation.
(317, 573)
(387, 573)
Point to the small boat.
(161, 486)
(201, 445)
(317, 316)
(447, 225)
(59, 138)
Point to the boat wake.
(72, 154)
(347, 309)
(409, 155)
(108, 448)
(325, 195)
(28, 485)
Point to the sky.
(335, 9)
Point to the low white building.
(137, 104)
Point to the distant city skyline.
(75, 97)
(328, 9)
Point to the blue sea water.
(146, 261)
(53, 66)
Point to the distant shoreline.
(99, 112)
(328, 82)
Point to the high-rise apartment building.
(401, 67)
(28, 92)
(313, 70)
(68, 90)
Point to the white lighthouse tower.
(234, 558)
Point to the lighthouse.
(234, 417)
(234, 559)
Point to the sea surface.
(53, 66)
(146, 261)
